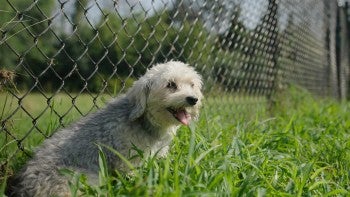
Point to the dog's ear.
(137, 95)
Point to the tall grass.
(302, 150)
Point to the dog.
(147, 117)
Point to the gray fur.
(131, 119)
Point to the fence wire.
(61, 59)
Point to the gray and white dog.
(146, 117)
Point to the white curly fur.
(145, 117)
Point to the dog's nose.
(191, 100)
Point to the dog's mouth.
(181, 115)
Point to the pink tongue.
(183, 117)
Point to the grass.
(237, 149)
(28, 119)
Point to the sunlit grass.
(241, 150)
(29, 119)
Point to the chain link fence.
(61, 59)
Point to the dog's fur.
(144, 117)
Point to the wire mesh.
(62, 59)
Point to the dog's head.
(168, 94)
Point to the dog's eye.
(171, 85)
(192, 85)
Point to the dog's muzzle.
(180, 113)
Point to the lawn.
(28, 119)
(299, 147)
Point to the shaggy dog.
(146, 117)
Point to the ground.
(296, 147)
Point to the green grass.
(238, 149)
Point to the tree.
(26, 39)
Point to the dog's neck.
(153, 128)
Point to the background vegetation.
(77, 55)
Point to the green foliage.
(92, 57)
(88, 59)
(18, 40)
(139, 42)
